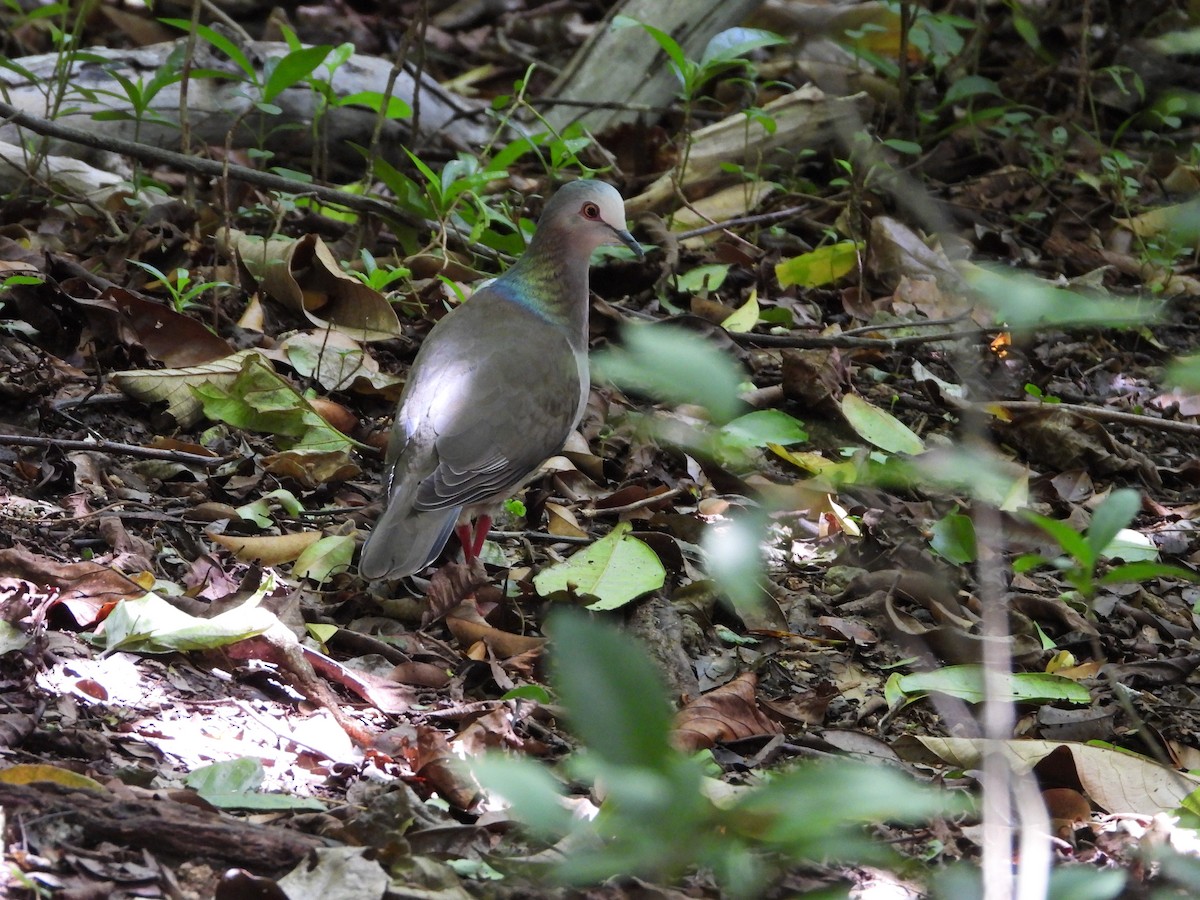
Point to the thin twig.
(135, 450)
(1100, 413)
(594, 511)
(850, 342)
(759, 219)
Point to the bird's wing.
(503, 411)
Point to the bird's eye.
(591, 211)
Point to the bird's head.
(588, 214)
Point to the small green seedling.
(1082, 553)
(183, 293)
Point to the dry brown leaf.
(502, 643)
(305, 276)
(724, 714)
(271, 549)
(86, 589)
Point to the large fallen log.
(221, 108)
(621, 72)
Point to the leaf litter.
(267, 674)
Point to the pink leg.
(482, 524)
(467, 540)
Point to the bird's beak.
(627, 239)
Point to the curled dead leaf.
(270, 550)
(726, 713)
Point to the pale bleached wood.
(803, 119)
(625, 66)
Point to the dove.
(496, 388)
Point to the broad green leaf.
(373, 100)
(613, 694)
(733, 44)
(702, 279)
(259, 400)
(819, 267)
(835, 795)
(669, 45)
(218, 40)
(1185, 372)
(761, 428)
(12, 638)
(968, 87)
(977, 472)
(953, 539)
(1024, 302)
(534, 794)
(880, 428)
(615, 570)
(1074, 544)
(151, 625)
(1136, 572)
(174, 386)
(966, 683)
(259, 511)
(292, 69)
(674, 365)
(1110, 517)
(1131, 546)
(734, 558)
(234, 783)
(533, 692)
(325, 558)
(745, 317)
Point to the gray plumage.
(497, 387)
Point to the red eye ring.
(590, 211)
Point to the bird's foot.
(472, 538)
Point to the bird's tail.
(405, 541)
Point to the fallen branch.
(135, 450)
(209, 167)
(1099, 413)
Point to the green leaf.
(1025, 302)
(702, 279)
(613, 694)
(234, 783)
(373, 100)
(534, 692)
(732, 45)
(674, 365)
(293, 69)
(745, 317)
(760, 428)
(615, 570)
(966, 683)
(150, 624)
(880, 428)
(259, 400)
(325, 558)
(533, 793)
(218, 40)
(909, 148)
(969, 87)
(953, 539)
(734, 558)
(1137, 572)
(669, 45)
(1113, 514)
(1071, 541)
(822, 266)
(1185, 373)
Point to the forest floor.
(959, 317)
